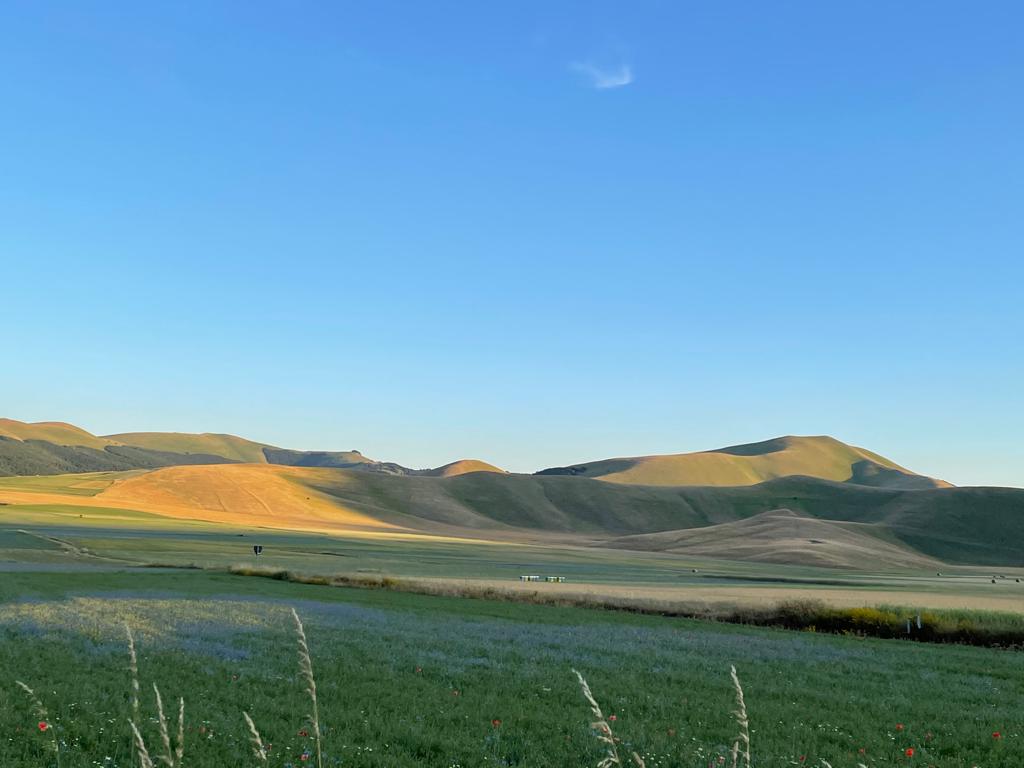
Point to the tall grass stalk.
(165, 736)
(742, 720)
(41, 713)
(179, 750)
(140, 747)
(604, 730)
(133, 671)
(306, 670)
(258, 750)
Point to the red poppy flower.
(613, 718)
(997, 735)
(303, 757)
(899, 726)
(802, 758)
(303, 733)
(496, 723)
(909, 752)
(861, 751)
(43, 726)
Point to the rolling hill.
(56, 432)
(51, 448)
(811, 500)
(842, 524)
(783, 536)
(226, 446)
(822, 457)
(462, 467)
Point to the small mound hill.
(463, 467)
(785, 537)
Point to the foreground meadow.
(410, 679)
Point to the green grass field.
(420, 680)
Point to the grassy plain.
(79, 535)
(420, 680)
(410, 679)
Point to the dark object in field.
(257, 549)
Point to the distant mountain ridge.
(61, 448)
(821, 457)
(809, 500)
(52, 448)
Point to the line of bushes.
(968, 627)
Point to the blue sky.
(534, 233)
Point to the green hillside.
(822, 457)
(38, 457)
(783, 536)
(956, 525)
(56, 432)
(225, 446)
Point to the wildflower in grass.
(899, 726)
(303, 733)
(997, 735)
(612, 718)
(909, 752)
(43, 725)
(496, 723)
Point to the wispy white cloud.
(604, 77)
